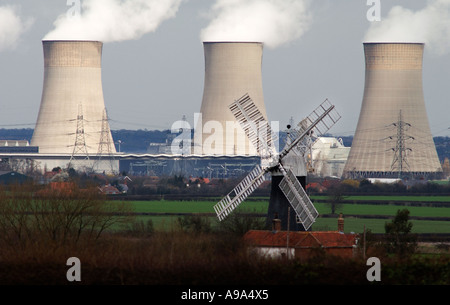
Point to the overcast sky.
(151, 81)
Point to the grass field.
(261, 207)
(388, 210)
(356, 225)
(192, 206)
(417, 198)
(352, 224)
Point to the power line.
(399, 161)
(79, 148)
(105, 144)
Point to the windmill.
(258, 131)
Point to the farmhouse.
(302, 245)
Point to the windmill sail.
(311, 137)
(316, 124)
(231, 201)
(294, 133)
(298, 199)
(255, 126)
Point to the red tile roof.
(109, 189)
(326, 239)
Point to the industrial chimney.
(232, 69)
(393, 137)
(72, 111)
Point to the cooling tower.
(72, 111)
(232, 69)
(393, 137)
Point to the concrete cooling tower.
(72, 112)
(393, 137)
(232, 69)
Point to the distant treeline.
(137, 141)
(132, 141)
(16, 134)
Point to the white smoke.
(431, 26)
(274, 22)
(12, 26)
(113, 20)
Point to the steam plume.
(431, 26)
(114, 20)
(274, 22)
(11, 27)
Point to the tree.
(400, 240)
(55, 217)
(335, 198)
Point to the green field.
(387, 210)
(192, 206)
(168, 212)
(356, 225)
(261, 207)
(410, 198)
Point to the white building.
(329, 156)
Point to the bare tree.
(335, 198)
(56, 217)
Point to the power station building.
(220, 148)
(232, 69)
(328, 157)
(393, 137)
(72, 125)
